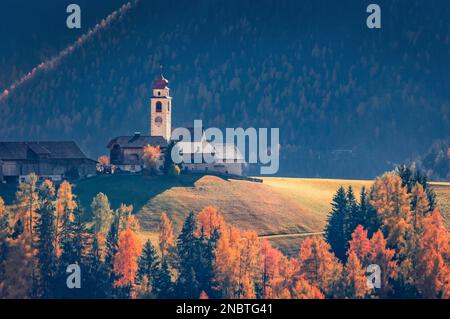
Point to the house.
(126, 151)
(222, 158)
(48, 160)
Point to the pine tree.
(164, 284)
(148, 268)
(419, 205)
(367, 215)
(188, 248)
(335, 230)
(95, 279)
(168, 162)
(107, 273)
(205, 272)
(411, 176)
(45, 233)
(73, 243)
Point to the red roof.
(160, 82)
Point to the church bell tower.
(160, 109)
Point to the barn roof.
(52, 150)
(137, 141)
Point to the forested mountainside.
(349, 101)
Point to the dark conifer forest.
(350, 102)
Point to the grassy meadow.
(283, 210)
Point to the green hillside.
(245, 204)
(283, 210)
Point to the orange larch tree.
(4, 217)
(318, 265)
(227, 263)
(355, 280)
(392, 203)
(360, 244)
(27, 203)
(129, 249)
(269, 269)
(166, 237)
(248, 264)
(17, 279)
(383, 257)
(304, 290)
(209, 220)
(65, 205)
(432, 270)
(151, 157)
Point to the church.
(126, 152)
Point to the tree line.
(395, 226)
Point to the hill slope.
(248, 205)
(281, 209)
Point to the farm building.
(52, 160)
(126, 151)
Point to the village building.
(126, 152)
(48, 160)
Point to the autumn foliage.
(151, 156)
(398, 246)
(126, 260)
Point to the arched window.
(158, 106)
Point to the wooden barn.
(52, 160)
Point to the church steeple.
(160, 108)
(160, 83)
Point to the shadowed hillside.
(248, 205)
(281, 209)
